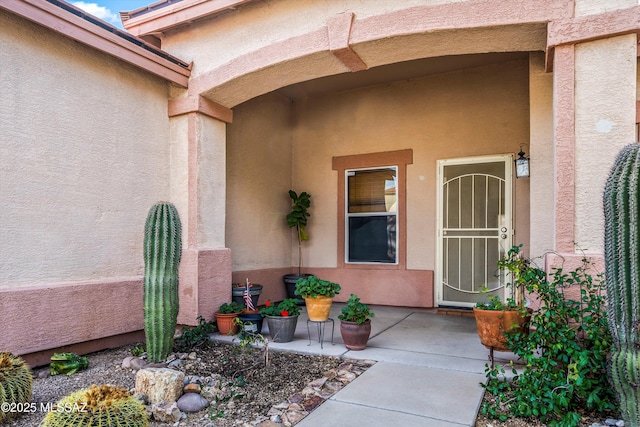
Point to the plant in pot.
(238, 291)
(297, 218)
(282, 319)
(318, 296)
(355, 323)
(496, 319)
(225, 315)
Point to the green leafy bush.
(230, 307)
(564, 354)
(194, 337)
(312, 286)
(287, 307)
(355, 311)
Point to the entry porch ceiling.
(395, 72)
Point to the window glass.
(371, 215)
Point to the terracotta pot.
(225, 324)
(318, 308)
(493, 324)
(355, 336)
(281, 328)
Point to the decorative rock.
(192, 402)
(269, 423)
(44, 373)
(291, 418)
(126, 363)
(137, 363)
(192, 356)
(192, 388)
(159, 384)
(166, 413)
(276, 419)
(175, 363)
(620, 423)
(610, 422)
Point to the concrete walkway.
(428, 373)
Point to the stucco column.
(198, 187)
(594, 117)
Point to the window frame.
(348, 215)
(399, 159)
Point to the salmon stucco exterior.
(402, 119)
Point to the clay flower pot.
(318, 308)
(225, 324)
(354, 335)
(493, 324)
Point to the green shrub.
(355, 311)
(192, 338)
(230, 308)
(312, 286)
(564, 355)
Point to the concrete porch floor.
(429, 370)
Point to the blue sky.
(109, 10)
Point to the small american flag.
(247, 298)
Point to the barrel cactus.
(97, 406)
(622, 257)
(16, 383)
(162, 251)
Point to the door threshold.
(456, 311)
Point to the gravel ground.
(287, 374)
(265, 387)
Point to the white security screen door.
(474, 228)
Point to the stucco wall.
(467, 113)
(83, 141)
(605, 122)
(259, 155)
(84, 151)
(470, 112)
(260, 24)
(541, 151)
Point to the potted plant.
(225, 315)
(282, 319)
(496, 319)
(355, 323)
(297, 218)
(318, 296)
(238, 290)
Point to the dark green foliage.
(299, 213)
(622, 256)
(192, 338)
(286, 307)
(162, 252)
(298, 218)
(98, 406)
(564, 354)
(16, 383)
(230, 307)
(312, 286)
(355, 311)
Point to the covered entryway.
(475, 224)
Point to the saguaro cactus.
(622, 256)
(162, 251)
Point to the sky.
(109, 10)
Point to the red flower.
(268, 303)
(284, 313)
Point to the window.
(371, 215)
(371, 210)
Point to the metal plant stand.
(321, 333)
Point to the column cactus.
(622, 257)
(162, 251)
